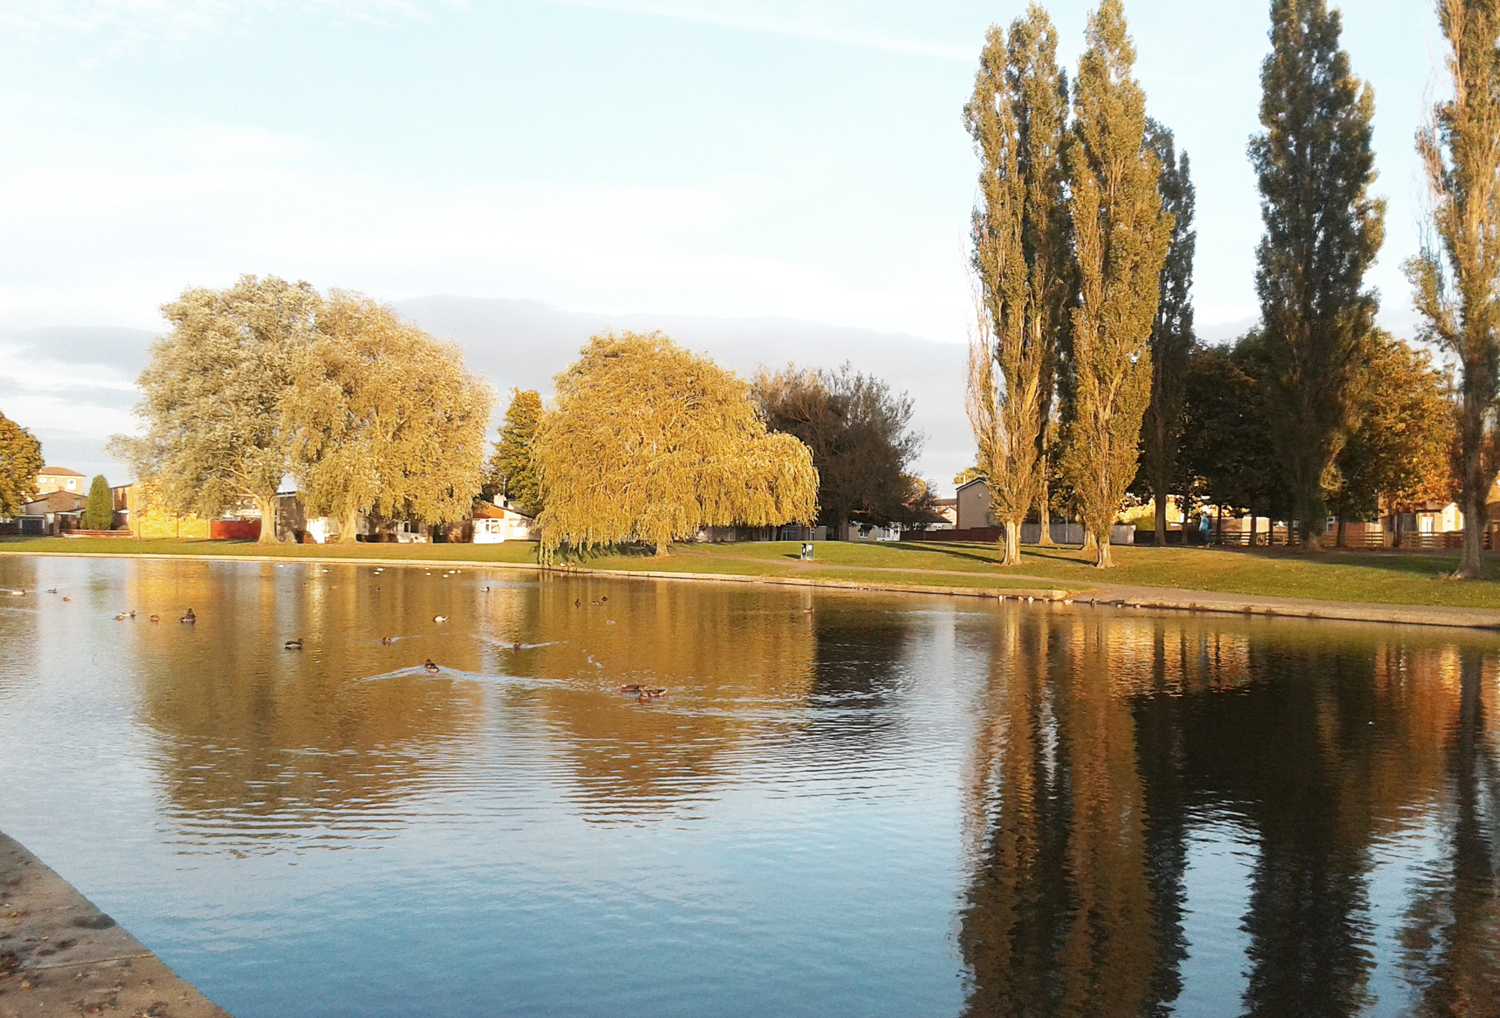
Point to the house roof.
(58, 472)
(970, 484)
(55, 502)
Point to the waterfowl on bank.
(293, 644)
(189, 617)
(431, 666)
(440, 618)
(633, 688)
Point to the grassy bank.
(1360, 577)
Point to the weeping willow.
(647, 442)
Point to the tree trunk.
(661, 549)
(1012, 544)
(1342, 542)
(1104, 560)
(1471, 562)
(1159, 504)
(348, 527)
(1044, 507)
(1254, 521)
(1090, 542)
(267, 509)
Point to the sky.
(802, 160)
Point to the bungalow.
(51, 514)
(498, 522)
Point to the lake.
(844, 803)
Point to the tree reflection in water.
(1104, 742)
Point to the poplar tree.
(1171, 331)
(1457, 282)
(1121, 236)
(1017, 119)
(1322, 231)
(648, 442)
(511, 468)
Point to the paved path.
(59, 955)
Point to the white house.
(500, 523)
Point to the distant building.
(971, 509)
(499, 522)
(59, 479)
(51, 514)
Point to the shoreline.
(61, 955)
(1046, 590)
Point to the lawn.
(1357, 576)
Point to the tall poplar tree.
(1017, 117)
(1458, 282)
(1171, 331)
(1121, 235)
(1322, 231)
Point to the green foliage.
(1121, 237)
(1457, 281)
(512, 472)
(1021, 259)
(857, 432)
(20, 460)
(383, 419)
(1171, 332)
(648, 442)
(1322, 231)
(99, 511)
(1226, 444)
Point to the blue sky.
(801, 159)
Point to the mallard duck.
(633, 688)
(121, 617)
(655, 694)
(645, 697)
(293, 644)
(431, 666)
(387, 640)
(440, 618)
(189, 617)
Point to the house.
(947, 508)
(498, 522)
(971, 510)
(51, 514)
(60, 479)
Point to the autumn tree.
(1121, 234)
(858, 433)
(383, 419)
(1322, 231)
(648, 442)
(1017, 118)
(1457, 281)
(212, 397)
(20, 460)
(1171, 331)
(1398, 454)
(512, 473)
(99, 510)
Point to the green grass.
(1357, 576)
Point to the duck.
(515, 646)
(596, 603)
(293, 644)
(577, 603)
(645, 697)
(189, 617)
(387, 640)
(440, 618)
(807, 610)
(431, 667)
(132, 614)
(120, 617)
(655, 694)
(633, 688)
(603, 599)
(154, 618)
(66, 598)
(52, 590)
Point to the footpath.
(59, 955)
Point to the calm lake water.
(890, 805)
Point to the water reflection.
(1106, 742)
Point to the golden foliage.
(648, 442)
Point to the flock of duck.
(431, 667)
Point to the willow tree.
(20, 462)
(1017, 118)
(212, 396)
(1171, 331)
(384, 419)
(1458, 282)
(1121, 235)
(1322, 232)
(648, 442)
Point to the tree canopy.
(512, 470)
(20, 461)
(648, 442)
(99, 510)
(858, 434)
(1323, 230)
(383, 419)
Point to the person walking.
(1203, 527)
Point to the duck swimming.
(634, 688)
(293, 644)
(431, 666)
(387, 640)
(154, 618)
(440, 618)
(189, 617)
(655, 694)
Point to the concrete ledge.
(59, 955)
